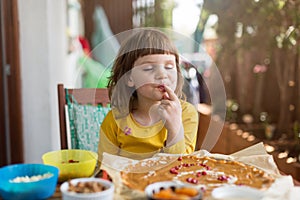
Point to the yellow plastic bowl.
(72, 163)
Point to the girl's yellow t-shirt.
(125, 137)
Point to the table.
(57, 195)
(234, 140)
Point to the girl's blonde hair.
(141, 43)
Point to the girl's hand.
(170, 111)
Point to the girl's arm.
(170, 112)
(181, 121)
(108, 139)
(190, 129)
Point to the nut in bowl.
(87, 188)
(28, 181)
(72, 163)
(172, 190)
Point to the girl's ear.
(130, 82)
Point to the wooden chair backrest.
(83, 96)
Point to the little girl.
(148, 114)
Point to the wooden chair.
(83, 96)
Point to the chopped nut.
(86, 187)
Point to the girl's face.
(151, 73)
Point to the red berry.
(189, 179)
(223, 178)
(194, 181)
(173, 171)
(73, 161)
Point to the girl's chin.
(158, 97)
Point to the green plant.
(296, 130)
(231, 110)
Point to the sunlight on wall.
(186, 16)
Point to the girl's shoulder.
(109, 114)
(108, 118)
(188, 107)
(115, 116)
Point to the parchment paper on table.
(278, 186)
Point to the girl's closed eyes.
(153, 66)
(148, 68)
(169, 66)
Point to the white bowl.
(107, 194)
(156, 187)
(237, 192)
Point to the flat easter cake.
(206, 172)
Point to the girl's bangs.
(149, 51)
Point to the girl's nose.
(160, 72)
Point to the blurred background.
(254, 44)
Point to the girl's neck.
(145, 112)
